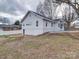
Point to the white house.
(36, 24)
(75, 23)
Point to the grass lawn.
(47, 46)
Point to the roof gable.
(25, 16)
(45, 18)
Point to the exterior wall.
(47, 28)
(52, 28)
(30, 25)
(56, 28)
(76, 25)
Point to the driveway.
(10, 32)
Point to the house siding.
(29, 25)
(32, 29)
(48, 27)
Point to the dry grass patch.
(47, 46)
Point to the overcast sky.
(23, 4)
(17, 8)
(30, 4)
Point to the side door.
(23, 31)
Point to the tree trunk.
(68, 25)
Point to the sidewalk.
(10, 32)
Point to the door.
(23, 31)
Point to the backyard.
(46, 46)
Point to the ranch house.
(36, 24)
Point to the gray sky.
(11, 7)
(30, 4)
(15, 4)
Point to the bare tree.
(68, 18)
(71, 4)
(47, 8)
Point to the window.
(46, 23)
(51, 24)
(36, 23)
(54, 22)
(27, 24)
(60, 25)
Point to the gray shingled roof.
(45, 18)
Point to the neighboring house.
(4, 27)
(75, 23)
(36, 24)
(4, 20)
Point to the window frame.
(37, 23)
(46, 23)
(60, 26)
(52, 24)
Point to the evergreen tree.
(17, 22)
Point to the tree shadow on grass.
(72, 36)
